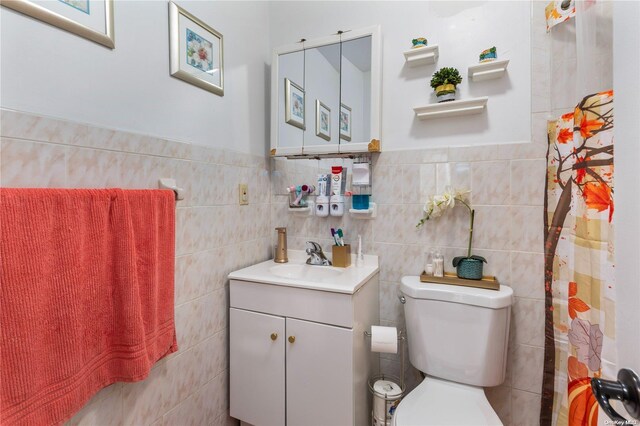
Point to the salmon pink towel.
(86, 295)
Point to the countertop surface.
(296, 273)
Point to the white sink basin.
(306, 272)
(297, 273)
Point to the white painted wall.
(49, 71)
(462, 30)
(626, 67)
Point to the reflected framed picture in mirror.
(323, 121)
(345, 123)
(195, 51)
(293, 104)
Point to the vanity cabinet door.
(319, 374)
(257, 367)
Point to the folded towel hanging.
(87, 295)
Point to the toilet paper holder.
(401, 340)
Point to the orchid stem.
(471, 232)
(473, 212)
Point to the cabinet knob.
(292, 339)
(274, 336)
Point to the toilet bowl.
(458, 337)
(441, 402)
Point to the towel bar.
(170, 183)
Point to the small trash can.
(387, 394)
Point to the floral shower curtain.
(579, 275)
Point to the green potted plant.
(444, 82)
(470, 266)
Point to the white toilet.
(458, 337)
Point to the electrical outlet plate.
(243, 194)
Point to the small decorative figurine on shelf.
(489, 55)
(419, 42)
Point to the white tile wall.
(214, 236)
(183, 388)
(507, 231)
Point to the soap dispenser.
(281, 247)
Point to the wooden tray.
(488, 282)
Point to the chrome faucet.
(316, 255)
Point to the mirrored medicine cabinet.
(326, 95)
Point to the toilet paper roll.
(384, 339)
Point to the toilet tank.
(457, 333)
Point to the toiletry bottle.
(281, 248)
(438, 265)
(359, 254)
(428, 262)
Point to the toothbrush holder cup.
(341, 256)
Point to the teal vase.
(469, 269)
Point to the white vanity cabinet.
(299, 356)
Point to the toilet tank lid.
(411, 286)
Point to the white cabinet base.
(319, 362)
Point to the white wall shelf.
(421, 56)
(370, 213)
(487, 70)
(452, 108)
(303, 211)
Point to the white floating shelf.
(452, 108)
(303, 211)
(487, 70)
(421, 55)
(370, 213)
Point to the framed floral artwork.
(345, 123)
(323, 121)
(91, 19)
(195, 50)
(293, 104)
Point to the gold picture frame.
(196, 51)
(66, 23)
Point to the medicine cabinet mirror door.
(322, 90)
(292, 116)
(355, 93)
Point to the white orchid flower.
(462, 193)
(438, 204)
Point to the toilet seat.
(437, 402)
